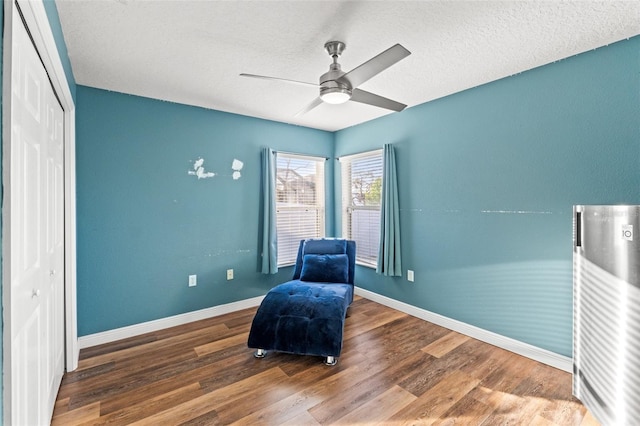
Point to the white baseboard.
(538, 354)
(160, 324)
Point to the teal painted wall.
(488, 178)
(145, 224)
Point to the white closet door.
(36, 236)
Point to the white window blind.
(299, 203)
(361, 195)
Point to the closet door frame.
(37, 22)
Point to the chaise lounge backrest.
(327, 246)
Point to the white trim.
(7, 76)
(160, 324)
(362, 154)
(538, 354)
(71, 320)
(306, 157)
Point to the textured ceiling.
(192, 52)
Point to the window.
(299, 203)
(361, 192)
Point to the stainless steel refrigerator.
(606, 312)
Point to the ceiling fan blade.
(364, 97)
(264, 77)
(375, 65)
(312, 105)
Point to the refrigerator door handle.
(578, 229)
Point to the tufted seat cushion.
(300, 317)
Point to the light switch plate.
(410, 275)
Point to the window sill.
(366, 265)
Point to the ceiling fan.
(337, 87)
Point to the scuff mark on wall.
(198, 170)
(237, 165)
(201, 173)
(218, 252)
(516, 212)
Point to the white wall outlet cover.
(193, 280)
(410, 276)
(229, 274)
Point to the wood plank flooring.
(394, 370)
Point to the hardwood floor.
(395, 369)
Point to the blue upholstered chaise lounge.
(305, 316)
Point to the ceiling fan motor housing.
(331, 89)
(329, 79)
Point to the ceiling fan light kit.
(338, 87)
(335, 95)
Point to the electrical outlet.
(229, 274)
(193, 280)
(410, 276)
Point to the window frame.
(370, 258)
(288, 256)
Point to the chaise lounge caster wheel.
(331, 360)
(260, 353)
